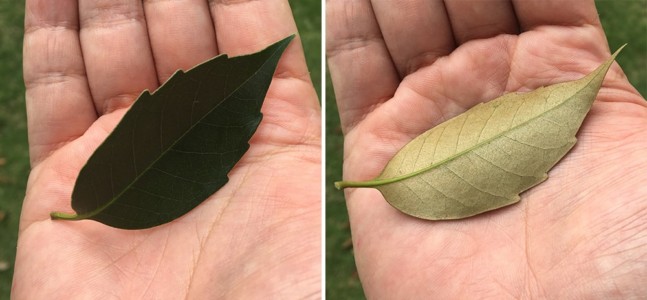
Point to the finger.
(361, 69)
(248, 26)
(117, 54)
(291, 113)
(59, 105)
(481, 19)
(532, 14)
(416, 32)
(181, 34)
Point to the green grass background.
(14, 157)
(625, 21)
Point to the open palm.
(84, 64)
(399, 70)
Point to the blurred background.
(14, 156)
(624, 21)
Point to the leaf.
(482, 159)
(174, 147)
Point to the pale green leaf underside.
(484, 158)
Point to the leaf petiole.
(55, 215)
(371, 183)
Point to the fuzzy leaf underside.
(485, 157)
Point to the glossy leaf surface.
(175, 147)
(484, 158)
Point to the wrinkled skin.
(259, 236)
(580, 234)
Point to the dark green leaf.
(174, 148)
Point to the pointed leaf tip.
(618, 51)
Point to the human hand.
(84, 64)
(401, 68)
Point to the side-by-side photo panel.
(486, 149)
(160, 150)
